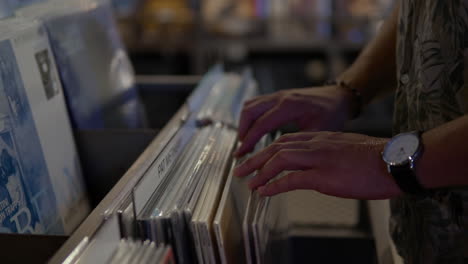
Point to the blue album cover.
(7, 8)
(96, 72)
(27, 200)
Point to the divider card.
(42, 187)
(162, 166)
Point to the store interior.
(172, 46)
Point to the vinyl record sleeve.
(140, 254)
(120, 252)
(166, 214)
(248, 238)
(157, 256)
(196, 222)
(148, 253)
(222, 96)
(167, 256)
(227, 223)
(42, 180)
(146, 192)
(204, 206)
(103, 245)
(258, 229)
(130, 253)
(95, 71)
(182, 236)
(197, 99)
(250, 213)
(211, 205)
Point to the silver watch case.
(411, 160)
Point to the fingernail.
(238, 151)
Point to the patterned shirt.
(432, 90)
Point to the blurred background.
(172, 44)
(288, 43)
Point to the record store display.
(187, 198)
(41, 190)
(64, 71)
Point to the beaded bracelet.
(356, 94)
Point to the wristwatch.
(400, 154)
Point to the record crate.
(303, 243)
(105, 156)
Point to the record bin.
(354, 244)
(105, 156)
(114, 160)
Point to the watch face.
(401, 148)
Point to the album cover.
(95, 70)
(42, 189)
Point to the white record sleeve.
(227, 223)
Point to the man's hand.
(312, 109)
(339, 164)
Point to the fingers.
(293, 181)
(271, 120)
(297, 137)
(255, 162)
(255, 99)
(284, 160)
(252, 111)
(258, 160)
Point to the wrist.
(356, 80)
(391, 187)
(354, 97)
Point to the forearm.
(374, 71)
(444, 160)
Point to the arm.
(374, 71)
(350, 165)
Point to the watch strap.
(406, 179)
